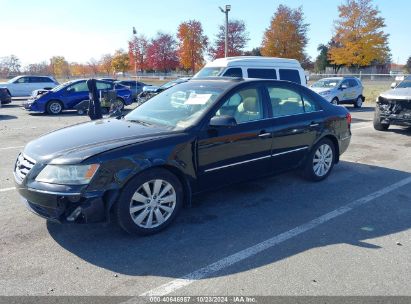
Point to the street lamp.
(227, 9)
(135, 55)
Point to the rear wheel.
(358, 102)
(334, 101)
(54, 107)
(320, 161)
(149, 202)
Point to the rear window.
(262, 73)
(290, 75)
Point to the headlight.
(67, 174)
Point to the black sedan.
(139, 170)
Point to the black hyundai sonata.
(140, 169)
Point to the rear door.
(232, 154)
(296, 123)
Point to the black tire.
(309, 172)
(377, 122)
(358, 102)
(335, 101)
(122, 209)
(54, 107)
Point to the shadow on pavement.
(7, 117)
(224, 222)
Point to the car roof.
(253, 61)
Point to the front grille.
(23, 166)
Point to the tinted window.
(262, 73)
(233, 72)
(104, 86)
(310, 105)
(244, 106)
(290, 75)
(352, 82)
(22, 80)
(285, 102)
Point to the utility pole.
(135, 53)
(227, 9)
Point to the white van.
(255, 67)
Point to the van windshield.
(209, 72)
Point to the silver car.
(340, 90)
(25, 85)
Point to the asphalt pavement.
(347, 235)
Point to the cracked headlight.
(67, 174)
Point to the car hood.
(398, 93)
(150, 88)
(319, 90)
(3, 84)
(74, 144)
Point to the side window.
(233, 72)
(353, 83)
(262, 73)
(104, 86)
(285, 102)
(46, 79)
(22, 80)
(245, 106)
(310, 105)
(290, 75)
(79, 87)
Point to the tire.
(334, 101)
(81, 112)
(54, 107)
(377, 122)
(358, 102)
(141, 208)
(320, 161)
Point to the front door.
(232, 154)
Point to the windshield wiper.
(144, 123)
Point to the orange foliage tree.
(192, 44)
(287, 34)
(359, 38)
(138, 52)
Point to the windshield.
(209, 72)
(13, 79)
(60, 86)
(178, 107)
(404, 84)
(326, 83)
(169, 84)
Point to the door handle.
(264, 134)
(314, 124)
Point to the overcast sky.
(84, 29)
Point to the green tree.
(321, 62)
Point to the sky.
(80, 30)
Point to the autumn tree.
(41, 68)
(121, 61)
(162, 53)
(193, 44)
(93, 66)
(106, 63)
(137, 51)
(237, 40)
(408, 65)
(78, 69)
(359, 36)
(59, 66)
(287, 34)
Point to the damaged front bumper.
(394, 111)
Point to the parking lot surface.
(347, 235)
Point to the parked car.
(150, 90)
(341, 90)
(69, 94)
(394, 107)
(5, 96)
(255, 67)
(142, 168)
(135, 86)
(24, 85)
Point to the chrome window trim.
(254, 159)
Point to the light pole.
(135, 53)
(227, 9)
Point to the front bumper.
(32, 106)
(64, 207)
(5, 99)
(394, 113)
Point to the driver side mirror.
(393, 85)
(223, 121)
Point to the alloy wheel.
(55, 108)
(153, 203)
(322, 160)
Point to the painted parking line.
(361, 128)
(206, 271)
(9, 148)
(7, 189)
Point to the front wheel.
(334, 101)
(149, 202)
(320, 161)
(377, 122)
(54, 107)
(358, 102)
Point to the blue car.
(67, 95)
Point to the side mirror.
(393, 85)
(343, 87)
(223, 121)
